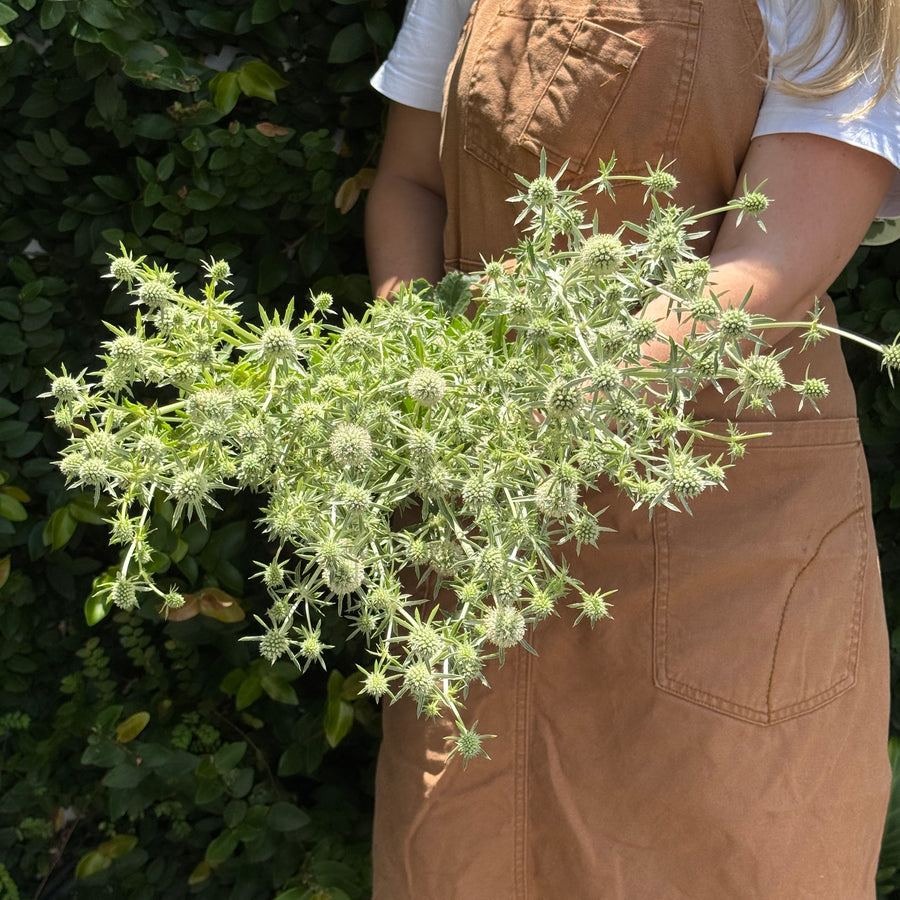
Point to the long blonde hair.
(870, 40)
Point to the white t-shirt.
(414, 73)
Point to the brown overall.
(723, 737)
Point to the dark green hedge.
(145, 759)
(152, 759)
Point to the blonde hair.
(870, 38)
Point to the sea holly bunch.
(424, 468)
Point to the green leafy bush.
(170, 127)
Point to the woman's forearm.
(404, 233)
(405, 210)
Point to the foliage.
(482, 431)
(121, 122)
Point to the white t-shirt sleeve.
(416, 67)
(878, 130)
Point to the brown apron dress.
(724, 736)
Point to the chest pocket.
(573, 79)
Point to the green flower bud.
(735, 323)
(350, 445)
(602, 255)
(542, 192)
(504, 625)
(426, 386)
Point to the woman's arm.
(405, 209)
(824, 196)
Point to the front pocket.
(548, 78)
(758, 598)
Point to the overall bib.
(723, 737)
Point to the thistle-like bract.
(419, 467)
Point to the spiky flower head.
(322, 302)
(424, 641)
(753, 203)
(602, 255)
(375, 683)
(123, 592)
(350, 444)
(426, 386)
(418, 679)
(65, 388)
(761, 376)
(155, 291)
(814, 389)
(659, 181)
(563, 400)
(173, 599)
(504, 625)
(542, 192)
(217, 270)
(468, 744)
(124, 268)
(274, 644)
(735, 323)
(593, 606)
(890, 356)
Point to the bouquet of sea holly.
(443, 441)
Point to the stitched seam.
(520, 826)
(686, 76)
(790, 594)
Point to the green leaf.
(201, 200)
(129, 729)
(256, 79)
(221, 848)
(284, 816)
(453, 293)
(350, 43)
(114, 186)
(380, 27)
(228, 756)
(226, 91)
(249, 692)
(890, 842)
(124, 776)
(7, 14)
(265, 11)
(338, 713)
(100, 13)
(90, 864)
(59, 528)
(97, 607)
(52, 13)
(277, 688)
(5, 39)
(12, 509)
(118, 846)
(299, 893)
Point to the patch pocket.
(546, 78)
(758, 598)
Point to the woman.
(724, 735)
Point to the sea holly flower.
(424, 471)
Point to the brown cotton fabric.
(724, 735)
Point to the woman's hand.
(824, 195)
